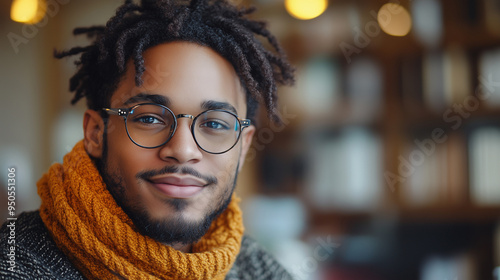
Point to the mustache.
(148, 174)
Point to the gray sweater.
(38, 257)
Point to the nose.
(181, 148)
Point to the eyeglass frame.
(124, 112)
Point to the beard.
(170, 231)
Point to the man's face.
(173, 192)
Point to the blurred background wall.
(387, 164)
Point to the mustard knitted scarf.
(102, 242)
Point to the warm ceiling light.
(27, 11)
(394, 19)
(305, 9)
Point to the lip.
(177, 186)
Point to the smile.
(178, 187)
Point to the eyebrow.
(147, 97)
(165, 101)
(218, 105)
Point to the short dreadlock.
(216, 24)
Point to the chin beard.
(168, 231)
(175, 230)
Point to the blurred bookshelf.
(397, 146)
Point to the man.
(172, 88)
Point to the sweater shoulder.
(27, 251)
(254, 262)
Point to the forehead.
(187, 74)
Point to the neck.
(185, 248)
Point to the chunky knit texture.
(38, 257)
(101, 241)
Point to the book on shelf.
(484, 161)
(423, 185)
(436, 172)
(457, 73)
(456, 158)
(345, 170)
(428, 22)
(318, 89)
(411, 83)
(489, 77)
(459, 266)
(492, 16)
(446, 78)
(364, 86)
(433, 81)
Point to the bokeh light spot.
(394, 19)
(305, 9)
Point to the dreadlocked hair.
(216, 24)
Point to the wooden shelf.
(428, 214)
(424, 116)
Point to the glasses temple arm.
(245, 122)
(117, 112)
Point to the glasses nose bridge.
(180, 116)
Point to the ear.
(93, 131)
(246, 142)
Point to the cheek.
(115, 127)
(124, 157)
(225, 166)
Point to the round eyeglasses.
(151, 125)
